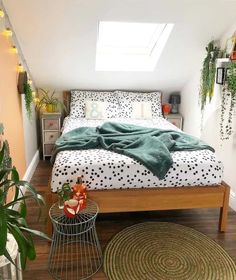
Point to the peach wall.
(10, 106)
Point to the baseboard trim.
(32, 166)
(232, 200)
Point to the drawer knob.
(51, 136)
(51, 123)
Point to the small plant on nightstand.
(48, 102)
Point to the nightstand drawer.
(51, 124)
(48, 148)
(176, 122)
(175, 119)
(50, 137)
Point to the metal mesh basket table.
(75, 250)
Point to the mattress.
(102, 169)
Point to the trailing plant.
(28, 99)
(11, 220)
(48, 101)
(228, 103)
(208, 72)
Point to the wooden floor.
(204, 220)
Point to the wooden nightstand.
(175, 119)
(50, 129)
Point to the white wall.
(30, 139)
(225, 150)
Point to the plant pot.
(233, 55)
(166, 108)
(51, 108)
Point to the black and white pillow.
(79, 97)
(126, 100)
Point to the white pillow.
(126, 98)
(141, 110)
(95, 110)
(78, 98)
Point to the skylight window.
(126, 46)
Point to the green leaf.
(16, 193)
(23, 209)
(13, 213)
(7, 255)
(22, 198)
(4, 173)
(3, 230)
(36, 232)
(2, 153)
(26, 185)
(20, 239)
(14, 175)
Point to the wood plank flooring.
(204, 220)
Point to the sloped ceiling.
(58, 39)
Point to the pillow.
(78, 98)
(141, 110)
(95, 110)
(126, 99)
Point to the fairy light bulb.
(20, 68)
(34, 94)
(13, 49)
(30, 82)
(7, 32)
(2, 14)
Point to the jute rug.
(166, 251)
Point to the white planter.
(7, 270)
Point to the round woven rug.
(166, 251)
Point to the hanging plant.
(28, 99)
(208, 72)
(228, 103)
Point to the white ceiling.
(58, 39)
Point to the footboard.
(149, 199)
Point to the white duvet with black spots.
(102, 169)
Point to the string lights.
(2, 14)
(15, 47)
(20, 68)
(7, 32)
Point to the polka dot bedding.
(102, 169)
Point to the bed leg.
(49, 203)
(224, 209)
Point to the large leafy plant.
(13, 213)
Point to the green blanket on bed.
(149, 146)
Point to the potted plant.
(13, 213)
(208, 71)
(228, 102)
(48, 102)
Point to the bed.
(121, 184)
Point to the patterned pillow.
(141, 110)
(95, 110)
(126, 98)
(78, 98)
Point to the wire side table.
(75, 250)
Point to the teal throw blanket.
(150, 146)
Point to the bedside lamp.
(175, 100)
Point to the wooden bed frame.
(162, 198)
